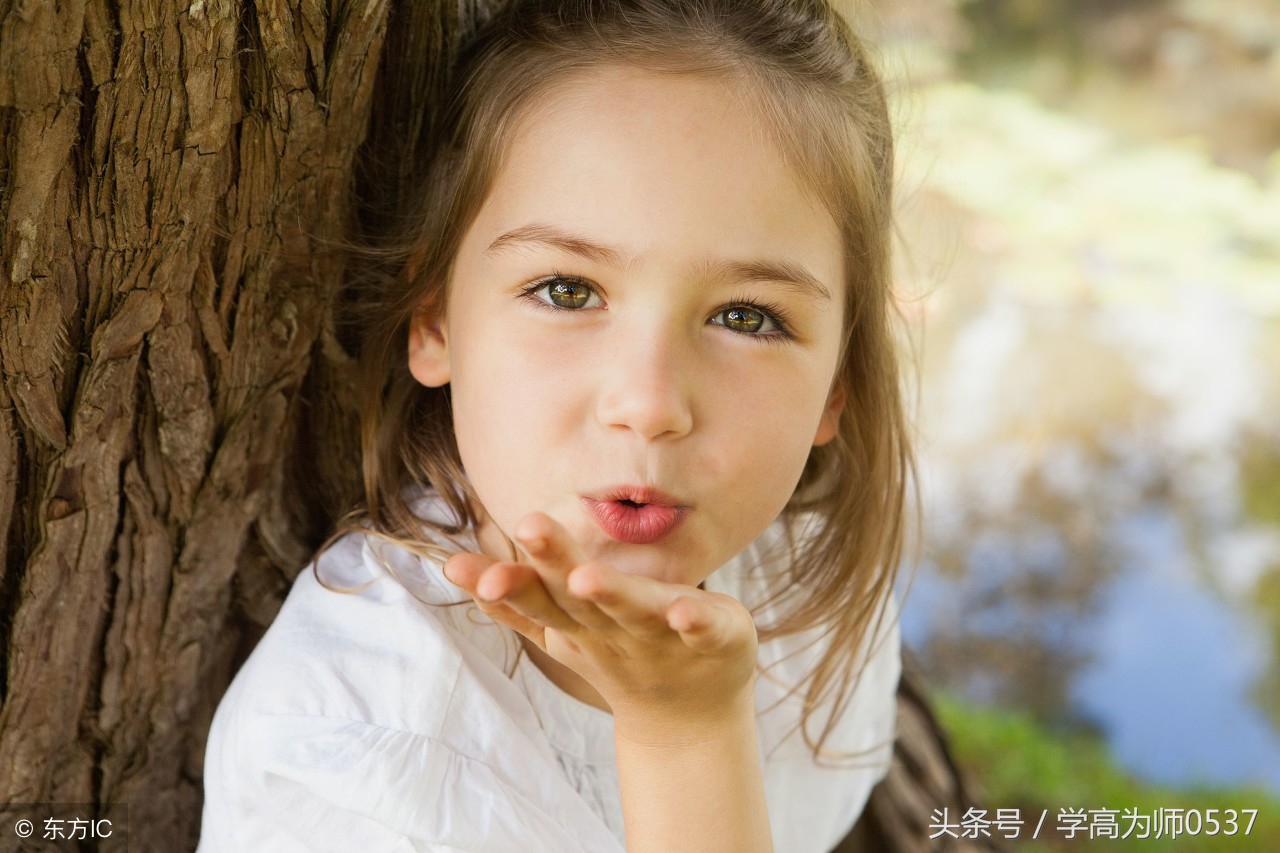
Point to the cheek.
(781, 400)
(764, 438)
(499, 367)
(512, 405)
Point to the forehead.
(658, 162)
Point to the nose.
(646, 386)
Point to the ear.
(429, 348)
(830, 417)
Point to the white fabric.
(372, 722)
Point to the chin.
(655, 564)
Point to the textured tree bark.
(177, 426)
(171, 173)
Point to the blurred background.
(1090, 264)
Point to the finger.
(520, 588)
(553, 552)
(708, 626)
(465, 570)
(638, 604)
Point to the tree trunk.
(177, 425)
(168, 358)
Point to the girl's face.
(647, 298)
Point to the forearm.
(691, 789)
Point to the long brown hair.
(818, 95)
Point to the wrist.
(680, 728)
(693, 783)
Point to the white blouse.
(373, 721)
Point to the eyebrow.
(791, 275)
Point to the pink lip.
(637, 525)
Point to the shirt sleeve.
(330, 785)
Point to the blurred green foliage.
(1260, 490)
(1021, 764)
(1081, 211)
(1266, 693)
(1003, 26)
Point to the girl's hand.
(658, 653)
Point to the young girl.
(634, 460)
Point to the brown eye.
(767, 323)
(742, 319)
(559, 292)
(568, 294)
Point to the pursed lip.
(639, 515)
(637, 494)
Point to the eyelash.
(776, 313)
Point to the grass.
(1020, 764)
